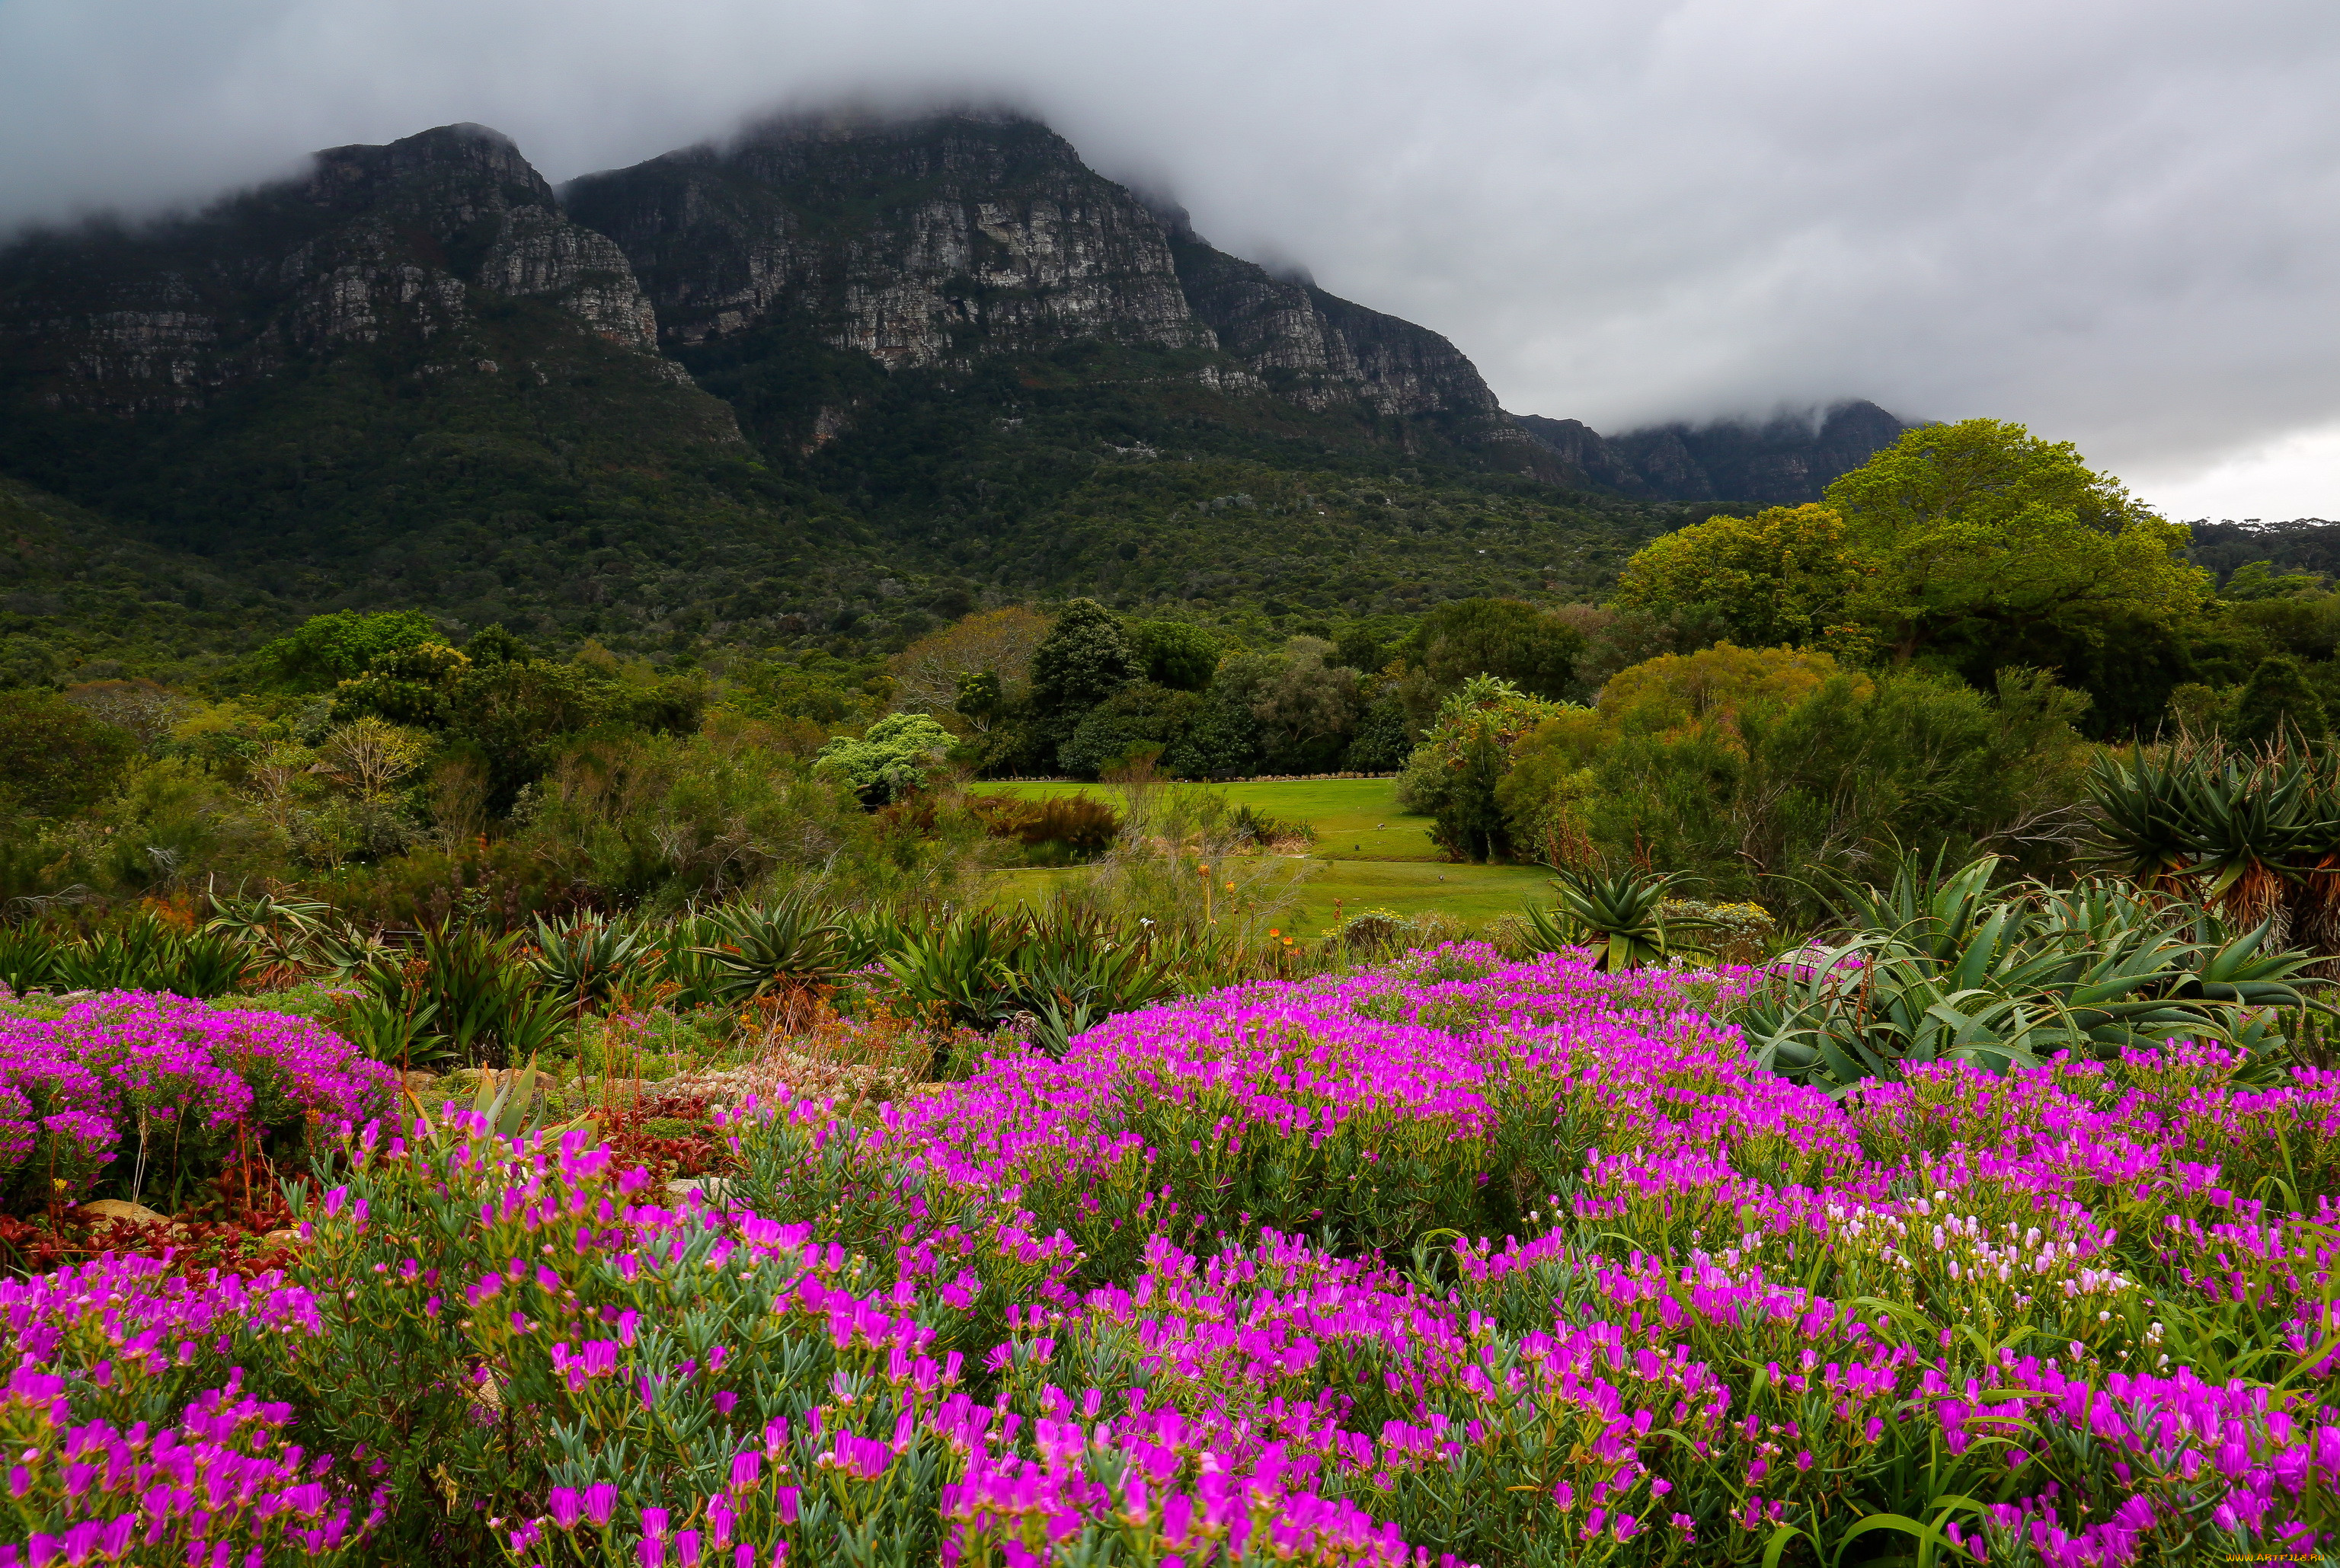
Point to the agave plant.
(1075, 969)
(282, 930)
(588, 960)
(1938, 968)
(1623, 917)
(964, 967)
(759, 948)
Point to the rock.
(714, 1189)
(283, 1239)
(114, 1208)
(417, 1081)
(413, 242)
(972, 232)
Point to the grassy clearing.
(1368, 854)
(1355, 819)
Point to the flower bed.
(1501, 1263)
(128, 1073)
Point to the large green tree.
(1085, 658)
(1987, 546)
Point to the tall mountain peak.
(935, 240)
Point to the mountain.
(934, 243)
(1781, 462)
(2297, 545)
(840, 379)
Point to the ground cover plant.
(1449, 1257)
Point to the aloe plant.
(2257, 832)
(963, 967)
(588, 960)
(1622, 917)
(1939, 968)
(758, 949)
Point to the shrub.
(1081, 822)
(1755, 785)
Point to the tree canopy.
(1532, 648)
(1780, 579)
(1980, 537)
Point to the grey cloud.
(2118, 222)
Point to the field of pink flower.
(1505, 1264)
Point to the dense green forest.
(1926, 662)
(483, 498)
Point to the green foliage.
(893, 759)
(1084, 659)
(1785, 771)
(1455, 773)
(1141, 717)
(1511, 640)
(1985, 538)
(2253, 832)
(2278, 703)
(1384, 737)
(1174, 654)
(1062, 969)
(2255, 580)
(1783, 578)
(55, 758)
(1937, 968)
(340, 646)
(1222, 742)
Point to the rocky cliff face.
(1783, 463)
(929, 241)
(910, 242)
(402, 242)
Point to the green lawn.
(1355, 819)
(1367, 855)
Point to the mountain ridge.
(831, 381)
(1781, 461)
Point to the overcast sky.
(2116, 221)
